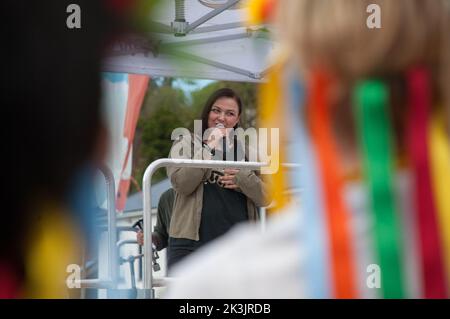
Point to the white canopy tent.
(211, 44)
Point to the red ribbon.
(429, 241)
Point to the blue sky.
(198, 84)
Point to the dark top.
(161, 229)
(222, 209)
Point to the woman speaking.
(209, 202)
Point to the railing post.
(110, 282)
(113, 261)
(167, 162)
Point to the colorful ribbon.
(314, 237)
(375, 133)
(270, 95)
(261, 11)
(430, 244)
(440, 168)
(332, 182)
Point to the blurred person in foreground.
(55, 139)
(374, 113)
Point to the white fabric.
(250, 54)
(246, 263)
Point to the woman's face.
(224, 111)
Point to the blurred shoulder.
(245, 263)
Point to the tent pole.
(216, 64)
(180, 11)
(220, 27)
(211, 15)
(242, 35)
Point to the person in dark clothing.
(160, 236)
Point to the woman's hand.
(229, 180)
(215, 138)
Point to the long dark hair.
(52, 102)
(224, 92)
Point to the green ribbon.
(376, 142)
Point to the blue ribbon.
(314, 235)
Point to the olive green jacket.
(188, 184)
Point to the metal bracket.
(242, 35)
(211, 15)
(179, 28)
(216, 64)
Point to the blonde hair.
(334, 35)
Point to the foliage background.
(167, 106)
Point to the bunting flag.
(137, 87)
(429, 237)
(123, 94)
(342, 259)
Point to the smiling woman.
(208, 202)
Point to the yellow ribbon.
(272, 115)
(440, 170)
(54, 244)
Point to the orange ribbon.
(336, 211)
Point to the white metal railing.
(113, 266)
(111, 279)
(148, 283)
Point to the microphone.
(224, 142)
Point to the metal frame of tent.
(177, 41)
(153, 57)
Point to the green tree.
(164, 109)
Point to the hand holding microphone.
(221, 128)
(217, 140)
(217, 137)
